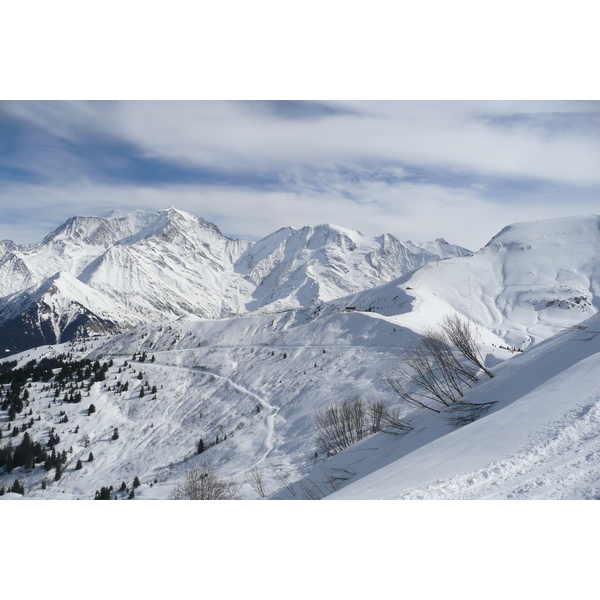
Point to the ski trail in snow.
(557, 462)
(269, 418)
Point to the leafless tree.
(462, 334)
(421, 372)
(340, 425)
(387, 419)
(432, 376)
(451, 369)
(285, 482)
(254, 477)
(376, 410)
(202, 483)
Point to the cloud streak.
(420, 170)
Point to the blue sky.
(461, 170)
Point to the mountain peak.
(547, 229)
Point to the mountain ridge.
(168, 264)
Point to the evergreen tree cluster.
(103, 493)
(56, 460)
(27, 454)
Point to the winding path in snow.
(272, 410)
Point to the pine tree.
(115, 435)
(17, 488)
(90, 457)
(123, 487)
(201, 446)
(142, 392)
(79, 465)
(136, 482)
(103, 494)
(58, 473)
(131, 495)
(91, 409)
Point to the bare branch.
(254, 476)
(202, 483)
(462, 333)
(340, 425)
(285, 482)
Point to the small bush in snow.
(202, 483)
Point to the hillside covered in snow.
(250, 386)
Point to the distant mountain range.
(108, 273)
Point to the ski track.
(559, 461)
(269, 419)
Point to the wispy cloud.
(461, 170)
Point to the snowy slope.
(61, 307)
(540, 441)
(70, 248)
(258, 380)
(178, 264)
(211, 376)
(530, 281)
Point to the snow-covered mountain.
(255, 381)
(529, 282)
(134, 267)
(301, 267)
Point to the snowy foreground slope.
(540, 441)
(258, 383)
(256, 380)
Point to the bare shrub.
(254, 476)
(285, 482)
(376, 411)
(421, 372)
(386, 419)
(202, 483)
(452, 370)
(340, 425)
(462, 334)
(432, 376)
